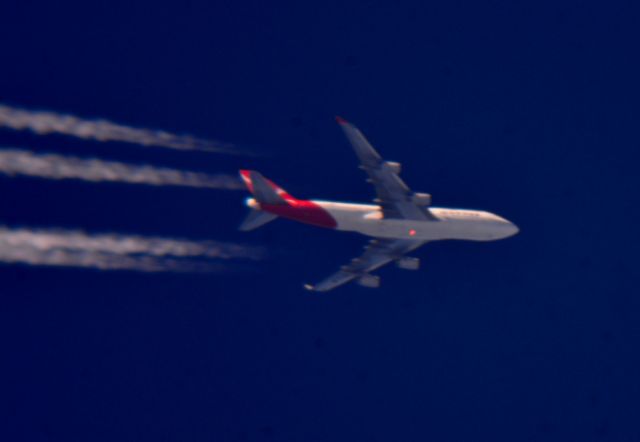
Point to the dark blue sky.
(527, 110)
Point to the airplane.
(399, 222)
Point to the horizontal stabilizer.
(255, 219)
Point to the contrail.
(47, 122)
(74, 248)
(58, 167)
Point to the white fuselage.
(474, 225)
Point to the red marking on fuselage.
(298, 210)
(303, 211)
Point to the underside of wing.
(392, 194)
(377, 253)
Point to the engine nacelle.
(395, 167)
(421, 199)
(408, 263)
(371, 281)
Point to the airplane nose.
(511, 229)
(502, 228)
(505, 229)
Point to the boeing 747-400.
(399, 221)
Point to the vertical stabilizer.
(255, 219)
(265, 191)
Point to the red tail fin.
(265, 190)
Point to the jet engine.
(371, 281)
(421, 199)
(408, 263)
(395, 167)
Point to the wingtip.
(309, 287)
(341, 120)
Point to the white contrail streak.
(47, 122)
(58, 167)
(73, 248)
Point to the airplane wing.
(377, 253)
(392, 194)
